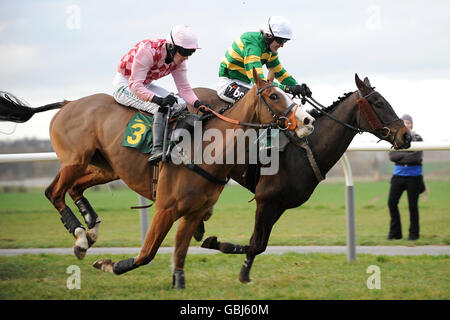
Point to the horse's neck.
(331, 139)
(245, 110)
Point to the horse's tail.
(16, 110)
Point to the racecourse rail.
(349, 194)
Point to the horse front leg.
(198, 235)
(267, 213)
(186, 229)
(161, 224)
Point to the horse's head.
(379, 118)
(281, 108)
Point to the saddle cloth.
(138, 133)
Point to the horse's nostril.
(407, 137)
(306, 121)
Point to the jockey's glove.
(170, 100)
(201, 106)
(198, 103)
(299, 90)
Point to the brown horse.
(364, 110)
(86, 134)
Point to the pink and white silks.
(144, 63)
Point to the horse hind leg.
(56, 192)
(91, 177)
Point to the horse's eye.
(379, 104)
(273, 96)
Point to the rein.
(368, 112)
(319, 107)
(289, 123)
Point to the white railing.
(349, 191)
(350, 199)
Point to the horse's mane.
(317, 114)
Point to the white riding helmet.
(182, 36)
(278, 27)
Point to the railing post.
(349, 209)
(144, 217)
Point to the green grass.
(28, 220)
(275, 277)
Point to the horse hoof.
(79, 252)
(244, 275)
(178, 281)
(210, 243)
(245, 279)
(105, 265)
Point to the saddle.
(138, 133)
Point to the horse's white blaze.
(81, 239)
(307, 128)
(302, 117)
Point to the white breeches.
(123, 95)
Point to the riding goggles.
(185, 52)
(281, 40)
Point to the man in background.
(407, 176)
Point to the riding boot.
(158, 137)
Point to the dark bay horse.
(86, 135)
(362, 110)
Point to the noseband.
(378, 127)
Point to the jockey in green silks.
(255, 49)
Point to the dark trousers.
(413, 186)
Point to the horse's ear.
(361, 85)
(271, 75)
(367, 82)
(257, 78)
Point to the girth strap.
(312, 161)
(192, 166)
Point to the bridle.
(281, 120)
(279, 117)
(378, 127)
(289, 123)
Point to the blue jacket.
(408, 163)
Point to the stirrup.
(155, 157)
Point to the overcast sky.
(54, 50)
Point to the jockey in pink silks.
(151, 60)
